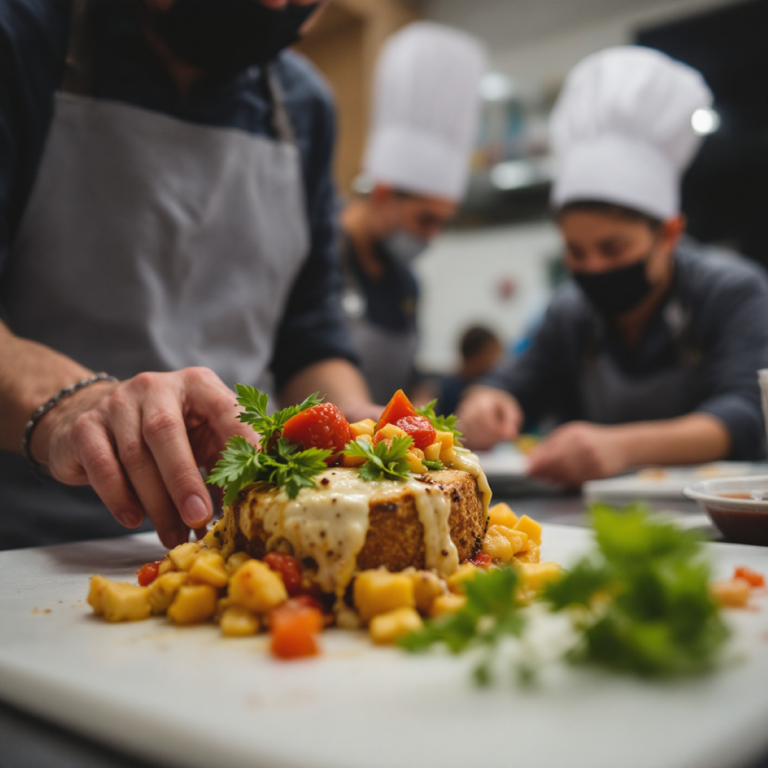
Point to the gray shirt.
(714, 318)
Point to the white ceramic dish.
(188, 697)
(738, 506)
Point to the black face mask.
(615, 292)
(223, 37)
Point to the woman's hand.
(140, 444)
(487, 416)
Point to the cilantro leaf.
(433, 465)
(238, 466)
(255, 414)
(381, 459)
(440, 423)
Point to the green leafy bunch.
(641, 602)
(382, 460)
(490, 614)
(440, 423)
(279, 462)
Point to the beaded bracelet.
(34, 419)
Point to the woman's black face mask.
(617, 291)
(223, 37)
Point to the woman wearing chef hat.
(649, 355)
(424, 122)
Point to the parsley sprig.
(490, 614)
(641, 601)
(382, 460)
(440, 423)
(255, 414)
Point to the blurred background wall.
(499, 261)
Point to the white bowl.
(738, 506)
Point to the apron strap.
(281, 122)
(78, 73)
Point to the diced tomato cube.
(482, 560)
(321, 426)
(288, 567)
(753, 578)
(398, 408)
(294, 629)
(419, 428)
(148, 573)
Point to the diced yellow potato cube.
(426, 587)
(208, 568)
(390, 431)
(96, 593)
(536, 575)
(221, 605)
(530, 555)
(414, 464)
(379, 591)
(235, 560)
(731, 593)
(388, 627)
(193, 604)
(166, 566)
(257, 588)
(444, 438)
(213, 538)
(364, 427)
(449, 603)
(497, 545)
(184, 555)
(460, 575)
(530, 527)
(432, 452)
(447, 452)
(164, 588)
(501, 514)
(237, 622)
(125, 602)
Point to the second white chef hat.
(622, 131)
(425, 110)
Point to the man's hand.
(577, 452)
(487, 416)
(140, 442)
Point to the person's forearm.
(691, 439)
(336, 379)
(30, 374)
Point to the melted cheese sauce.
(329, 523)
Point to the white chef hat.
(425, 110)
(622, 129)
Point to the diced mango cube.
(184, 555)
(432, 452)
(731, 593)
(237, 622)
(464, 572)
(166, 566)
(257, 588)
(530, 527)
(426, 587)
(164, 588)
(125, 602)
(379, 591)
(208, 568)
(504, 543)
(364, 427)
(388, 431)
(235, 560)
(530, 555)
(193, 604)
(535, 576)
(414, 464)
(501, 514)
(96, 593)
(449, 603)
(385, 628)
(447, 452)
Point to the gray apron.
(387, 358)
(611, 396)
(147, 244)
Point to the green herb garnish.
(490, 614)
(238, 466)
(255, 414)
(381, 459)
(433, 465)
(440, 423)
(642, 599)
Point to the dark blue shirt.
(727, 300)
(33, 43)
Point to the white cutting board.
(190, 698)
